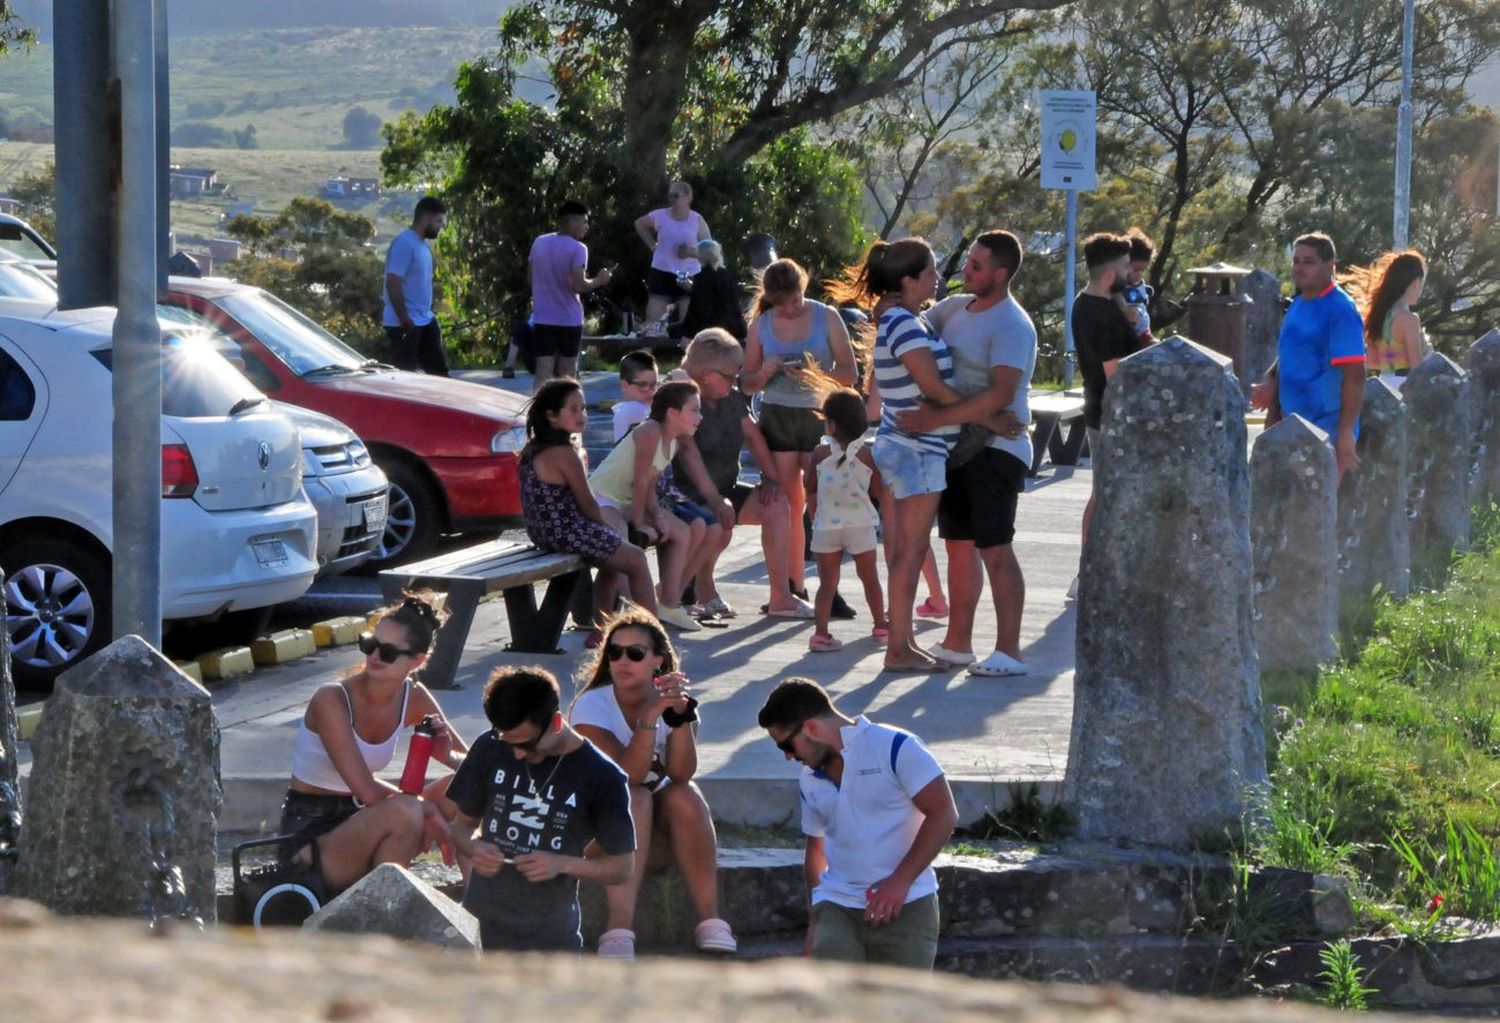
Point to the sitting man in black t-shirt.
(1102, 336)
(531, 795)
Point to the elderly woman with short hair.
(717, 300)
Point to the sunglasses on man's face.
(634, 651)
(368, 644)
(786, 745)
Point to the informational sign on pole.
(1068, 136)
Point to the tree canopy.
(732, 95)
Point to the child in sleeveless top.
(844, 518)
(624, 484)
(559, 509)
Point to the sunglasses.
(785, 745)
(645, 385)
(634, 651)
(368, 644)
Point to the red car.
(448, 446)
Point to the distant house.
(242, 208)
(185, 186)
(10, 206)
(351, 188)
(208, 174)
(223, 250)
(190, 182)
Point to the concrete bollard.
(1437, 462)
(1483, 364)
(124, 797)
(1262, 326)
(1374, 538)
(1167, 740)
(1293, 512)
(10, 789)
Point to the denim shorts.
(910, 471)
(310, 815)
(688, 511)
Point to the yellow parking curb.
(27, 718)
(192, 669)
(338, 631)
(283, 646)
(227, 662)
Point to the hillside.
(195, 17)
(294, 85)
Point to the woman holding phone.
(636, 709)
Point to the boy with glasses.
(638, 382)
(532, 794)
(876, 810)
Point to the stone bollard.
(10, 790)
(1262, 326)
(1437, 462)
(1293, 511)
(1483, 364)
(1374, 542)
(124, 796)
(1167, 740)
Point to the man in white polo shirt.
(876, 810)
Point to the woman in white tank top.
(347, 820)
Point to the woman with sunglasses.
(636, 709)
(345, 820)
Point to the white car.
(345, 485)
(238, 532)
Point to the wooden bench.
(613, 344)
(1050, 411)
(469, 574)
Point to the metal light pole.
(1071, 244)
(137, 334)
(1400, 231)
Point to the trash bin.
(1217, 311)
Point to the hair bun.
(419, 604)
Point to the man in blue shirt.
(1320, 356)
(416, 339)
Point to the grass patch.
(1386, 767)
(1027, 819)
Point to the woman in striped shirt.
(911, 364)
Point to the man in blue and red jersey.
(1320, 356)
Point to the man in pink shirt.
(558, 271)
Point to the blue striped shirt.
(902, 331)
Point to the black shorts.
(791, 429)
(548, 341)
(309, 815)
(661, 284)
(980, 502)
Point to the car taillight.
(179, 476)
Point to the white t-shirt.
(1002, 335)
(868, 822)
(599, 708)
(627, 414)
(671, 233)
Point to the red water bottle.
(414, 775)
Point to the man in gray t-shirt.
(993, 344)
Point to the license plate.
(375, 515)
(269, 553)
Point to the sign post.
(1068, 137)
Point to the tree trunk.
(656, 81)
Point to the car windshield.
(15, 240)
(196, 383)
(299, 342)
(17, 280)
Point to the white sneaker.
(1073, 589)
(677, 618)
(957, 658)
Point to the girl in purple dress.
(559, 509)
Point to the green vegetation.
(1027, 819)
(1343, 979)
(1386, 767)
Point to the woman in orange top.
(1394, 341)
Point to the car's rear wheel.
(411, 524)
(57, 607)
